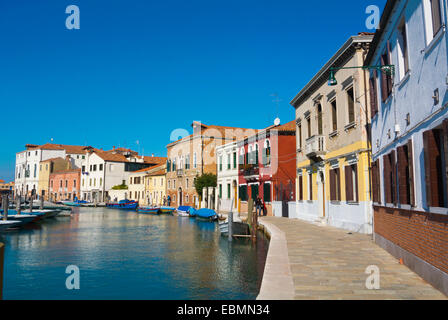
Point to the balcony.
(315, 147)
(249, 170)
(180, 172)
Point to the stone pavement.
(313, 262)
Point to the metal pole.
(2, 256)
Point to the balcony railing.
(315, 146)
(250, 170)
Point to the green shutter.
(267, 192)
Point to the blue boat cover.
(184, 208)
(205, 213)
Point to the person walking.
(259, 207)
(169, 200)
(164, 200)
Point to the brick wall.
(423, 234)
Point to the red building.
(267, 166)
(65, 185)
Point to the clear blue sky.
(136, 70)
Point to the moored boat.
(123, 204)
(22, 218)
(167, 210)
(206, 214)
(148, 210)
(186, 211)
(8, 224)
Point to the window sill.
(404, 80)
(334, 134)
(351, 125)
(441, 211)
(335, 202)
(353, 203)
(428, 49)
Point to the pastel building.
(267, 168)
(65, 185)
(410, 136)
(333, 148)
(227, 176)
(46, 168)
(155, 185)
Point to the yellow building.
(333, 148)
(6, 186)
(155, 185)
(48, 167)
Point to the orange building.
(65, 185)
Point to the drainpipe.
(369, 141)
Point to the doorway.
(321, 194)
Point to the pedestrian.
(169, 200)
(164, 200)
(259, 207)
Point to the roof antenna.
(277, 101)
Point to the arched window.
(267, 153)
(319, 119)
(241, 157)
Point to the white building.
(227, 174)
(410, 135)
(103, 170)
(27, 163)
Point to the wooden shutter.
(402, 177)
(355, 179)
(338, 184)
(332, 185)
(374, 182)
(389, 77)
(394, 177)
(432, 153)
(300, 188)
(386, 179)
(373, 95)
(349, 183)
(436, 16)
(411, 173)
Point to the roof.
(113, 157)
(287, 127)
(338, 59)
(161, 172)
(147, 169)
(2, 181)
(379, 33)
(155, 160)
(221, 129)
(53, 159)
(52, 146)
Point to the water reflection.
(123, 255)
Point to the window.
(351, 105)
(187, 162)
(66, 183)
(35, 170)
(187, 183)
(319, 119)
(334, 115)
(308, 122)
(403, 60)
(234, 160)
(406, 174)
(300, 136)
(195, 165)
(220, 191)
(254, 191)
(228, 191)
(241, 157)
(83, 169)
(433, 19)
(243, 193)
(310, 186)
(74, 183)
(436, 166)
(386, 79)
(390, 178)
(267, 192)
(373, 94)
(301, 188)
(229, 163)
(376, 189)
(94, 167)
(267, 153)
(351, 183)
(101, 181)
(220, 163)
(101, 167)
(335, 185)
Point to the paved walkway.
(307, 261)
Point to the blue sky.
(136, 70)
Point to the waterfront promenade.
(312, 262)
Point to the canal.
(125, 255)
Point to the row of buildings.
(366, 152)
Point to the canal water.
(125, 255)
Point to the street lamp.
(387, 69)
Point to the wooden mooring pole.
(2, 259)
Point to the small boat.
(148, 210)
(8, 224)
(123, 204)
(206, 214)
(22, 218)
(186, 211)
(167, 210)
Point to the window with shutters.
(351, 183)
(433, 19)
(403, 57)
(376, 183)
(351, 105)
(405, 174)
(310, 186)
(234, 160)
(267, 192)
(335, 185)
(334, 115)
(373, 94)
(390, 178)
(254, 191)
(319, 119)
(301, 188)
(220, 191)
(386, 79)
(228, 191)
(243, 193)
(435, 144)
